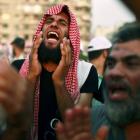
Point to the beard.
(122, 113)
(46, 54)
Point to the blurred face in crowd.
(54, 30)
(122, 77)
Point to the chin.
(123, 113)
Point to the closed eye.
(49, 20)
(132, 61)
(110, 63)
(63, 22)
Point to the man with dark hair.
(98, 50)
(121, 112)
(59, 78)
(18, 45)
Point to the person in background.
(60, 79)
(122, 95)
(98, 50)
(18, 45)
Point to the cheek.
(107, 74)
(45, 28)
(64, 30)
(66, 33)
(134, 79)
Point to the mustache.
(118, 84)
(116, 81)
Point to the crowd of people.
(14, 50)
(54, 89)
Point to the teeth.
(53, 33)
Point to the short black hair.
(94, 54)
(127, 32)
(19, 42)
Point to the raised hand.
(16, 98)
(65, 62)
(64, 100)
(34, 64)
(76, 126)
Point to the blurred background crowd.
(18, 19)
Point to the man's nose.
(54, 23)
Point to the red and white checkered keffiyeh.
(71, 80)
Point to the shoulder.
(17, 64)
(98, 116)
(84, 70)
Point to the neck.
(99, 64)
(50, 66)
(132, 131)
(18, 54)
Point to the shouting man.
(59, 78)
(122, 95)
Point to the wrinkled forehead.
(132, 46)
(126, 49)
(61, 15)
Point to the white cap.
(99, 43)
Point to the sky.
(109, 13)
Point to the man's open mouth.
(118, 92)
(118, 89)
(52, 36)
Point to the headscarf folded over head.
(71, 80)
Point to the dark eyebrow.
(49, 17)
(134, 56)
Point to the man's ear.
(105, 53)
